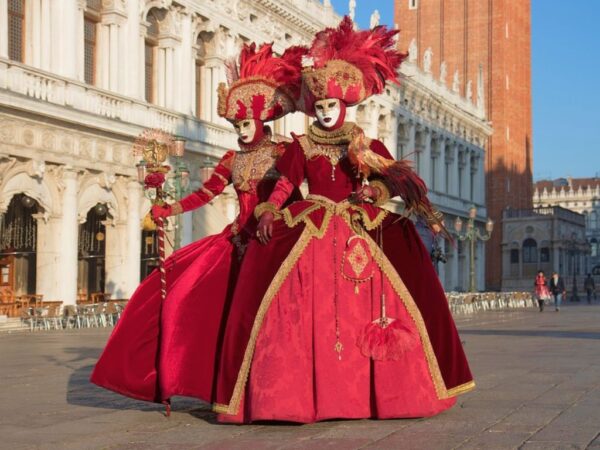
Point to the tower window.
(413, 4)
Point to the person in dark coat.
(590, 287)
(557, 288)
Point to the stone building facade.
(581, 195)
(543, 238)
(482, 51)
(80, 79)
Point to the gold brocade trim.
(208, 192)
(244, 91)
(264, 207)
(334, 153)
(254, 163)
(384, 192)
(344, 208)
(222, 178)
(409, 303)
(342, 135)
(461, 389)
(283, 272)
(344, 74)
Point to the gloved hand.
(366, 193)
(264, 231)
(163, 211)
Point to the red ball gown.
(158, 351)
(290, 350)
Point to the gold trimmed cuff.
(383, 195)
(176, 208)
(265, 207)
(221, 177)
(208, 192)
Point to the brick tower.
(489, 39)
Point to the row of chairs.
(50, 317)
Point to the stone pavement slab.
(538, 378)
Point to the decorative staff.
(154, 146)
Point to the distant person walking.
(590, 287)
(557, 288)
(542, 293)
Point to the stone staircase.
(12, 325)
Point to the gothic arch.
(31, 179)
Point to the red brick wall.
(468, 34)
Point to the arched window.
(514, 256)
(16, 30)
(530, 251)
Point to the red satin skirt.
(159, 349)
(297, 374)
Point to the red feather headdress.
(264, 86)
(350, 65)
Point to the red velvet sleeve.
(281, 192)
(291, 164)
(220, 178)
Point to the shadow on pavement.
(535, 333)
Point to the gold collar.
(342, 135)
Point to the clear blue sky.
(565, 69)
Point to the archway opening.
(18, 235)
(91, 272)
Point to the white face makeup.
(246, 130)
(327, 112)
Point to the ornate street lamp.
(472, 234)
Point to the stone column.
(160, 76)
(65, 37)
(4, 26)
(184, 90)
(32, 33)
(454, 269)
(113, 57)
(441, 167)
(134, 236)
(45, 35)
(103, 52)
(141, 58)
(49, 274)
(115, 264)
(68, 238)
(467, 176)
(132, 29)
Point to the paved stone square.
(538, 377)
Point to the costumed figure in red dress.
(346, 317)
(542, 292)
(158, 351)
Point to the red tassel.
(385, 342)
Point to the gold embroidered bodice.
(254, 163)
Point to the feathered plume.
(373, 52)
(283, 70)
(231, 70)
